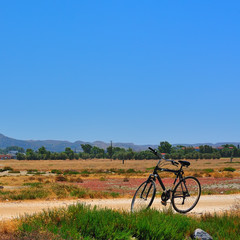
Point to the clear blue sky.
(127, 71)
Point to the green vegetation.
(70, 172)
(7, 168)
(229, 169)
(56, 171)
(90, 152)
(208, 170)
(82, 222)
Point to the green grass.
(82, 222)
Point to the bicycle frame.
(179, 175)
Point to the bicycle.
(184, 194)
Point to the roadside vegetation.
(40, 190)
(82, 222)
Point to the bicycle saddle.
(184, 163)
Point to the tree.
(165, 147)
(21, 156)
(69, 152)
(42, 150)
(205, 149)
(86, 148)
(110, 151)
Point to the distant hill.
(58, 146)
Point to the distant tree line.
(12, 148)
(90, 152)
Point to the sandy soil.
(208, 203)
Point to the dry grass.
(9, 226)
(96, 164)
(98, 167)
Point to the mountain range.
(58, 145)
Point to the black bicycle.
(184, 194)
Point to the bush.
(77, 180)
(130, 170)
(7, 169)
(102, 179)
(60, 179)
(13, 171)
(126, 179)
(32, 171)
(229, 169)
(70, 172)
(208, 170)
(56, 171)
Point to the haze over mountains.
(58, 145)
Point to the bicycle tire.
(144, 196)
(186, 194)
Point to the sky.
(127, 71)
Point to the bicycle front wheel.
(186, 194)
(144, 196)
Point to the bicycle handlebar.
(155, 152)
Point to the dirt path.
(210, 203)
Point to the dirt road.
(209, 203)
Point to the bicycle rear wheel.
(186, 194)
(144, 196)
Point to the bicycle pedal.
(164, 203)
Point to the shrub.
(126, 179)
(13, 171)
(102, 179)
(229, 169)
(85, 175)
(7, 168)
(32, 171)
(56, 171)
(85, 172)
(77, 180)
(70, 172)
(31, 178)
(60, 179)
(80, 193)
(130, 170)
(208, 170)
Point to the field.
(104, 164)
(99, 178)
